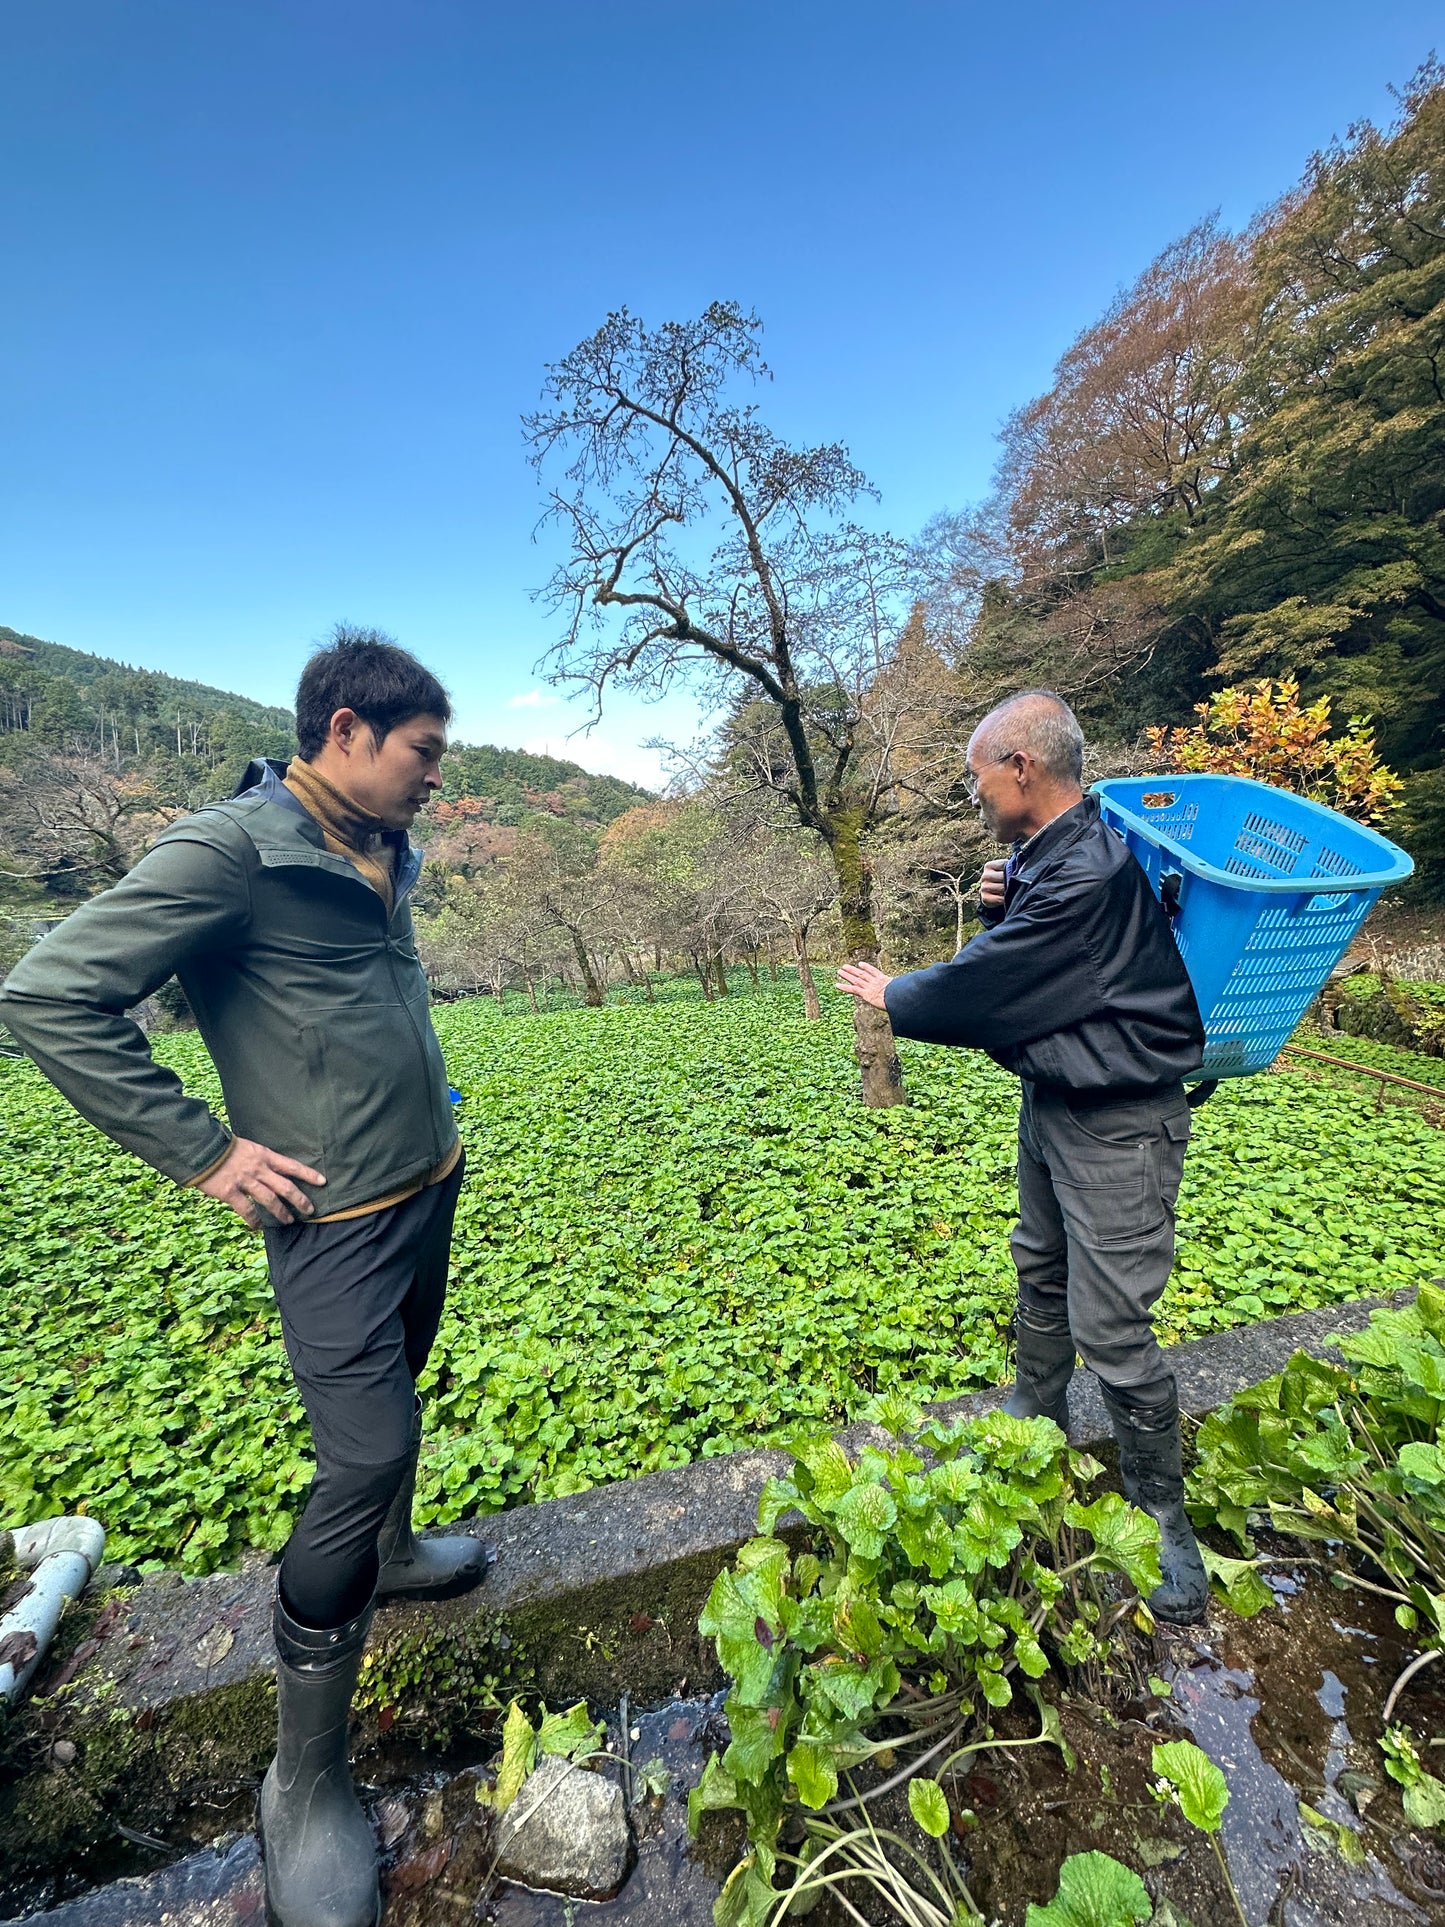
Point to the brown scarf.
(346, 830)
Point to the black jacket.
(1077, 983)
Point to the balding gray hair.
(1040, 723)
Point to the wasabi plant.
(928, 1593)
(1189, 1780)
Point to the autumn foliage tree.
(1265, 732)
(1238, 474)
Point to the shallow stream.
(1288, 1704)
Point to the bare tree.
(699, 541)
(554, 875)
(70, 819)
(789, 887)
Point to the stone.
(566, 1831)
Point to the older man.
(1076, 985)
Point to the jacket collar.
(1030, 857)
(261, 782)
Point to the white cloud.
(534, 699)
(603, 757)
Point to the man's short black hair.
(364, 670)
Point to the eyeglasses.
(971, 782)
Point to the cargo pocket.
(1171, 1145)
(1105, 1169)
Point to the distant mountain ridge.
(501, 787)
(55, 659)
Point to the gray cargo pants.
(1095, 1237)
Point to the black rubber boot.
(317, 1843)
(413, 1568)
(1153, 1480)
(1044, 1364)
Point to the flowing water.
(1288, 1704)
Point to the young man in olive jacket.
(1077, 985)
(284, 913)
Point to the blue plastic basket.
(1270, 890)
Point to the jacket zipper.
(415, 1027)
(362, 884)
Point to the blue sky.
(281, 275)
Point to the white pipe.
(64, 1554)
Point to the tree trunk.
(702, 977)
(873, 1042)
(750, 958)
(722, 976)
(592, 994)
(957, 923)
(647, 986)
(531, 991)
(772, 963)
(811, 1008)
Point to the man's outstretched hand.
(863, 980)
(250, 1176)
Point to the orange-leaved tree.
(1265, 732)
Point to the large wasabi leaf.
(898, 1414)
(748, 1899)
(1126, 1540)
(1238, 1582)
(778, 1496)
(863, 1515)
(745, 1638)
(759, 1735)
(1094, 1891)
(824, 1472)
(715, 1792)
(571, 1735)
(853, 1689)
(813, 1772)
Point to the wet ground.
(1288, 1704)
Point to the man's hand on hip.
(991, 883)
(862, 980)
(250, 1176)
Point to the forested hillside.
(513, 782)
(1238, 472)
(96, 756)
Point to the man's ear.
(343, 731)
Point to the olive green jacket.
(312, 1003)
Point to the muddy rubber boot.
(316, 1841)
(1153, 1479)
(413, 1568)
(1043, 1366)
